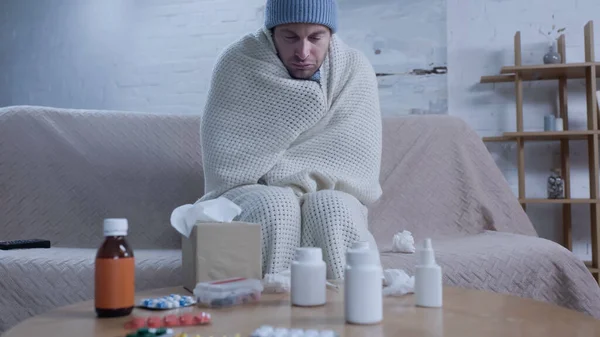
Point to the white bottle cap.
(309, 254)
(426, 255)
(356, 257)
(360, 245)
(115, 227)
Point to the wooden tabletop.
(465, 313)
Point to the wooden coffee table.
(465, 313)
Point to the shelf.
(497, 79)
(551, 71)
(558, 201)
(542, 135)
(498, 139)
(551, 135)
(593, 270)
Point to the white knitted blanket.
(262, 126)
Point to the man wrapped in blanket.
(291, 132)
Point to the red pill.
(171, 320)
(186, 319)
(135, 323)
(154, 322)
(202, 318)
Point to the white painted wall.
(480, 41)
(157, 55)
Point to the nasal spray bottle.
(428, 278)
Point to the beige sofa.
(63, 171)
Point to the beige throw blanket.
(259, 124)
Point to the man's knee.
(333, 214)
(331, 203)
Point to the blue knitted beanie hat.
(323, 12)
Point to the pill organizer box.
(228, 292)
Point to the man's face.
(302, 47)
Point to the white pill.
(261, 333)
(266, 328)
(296, 333)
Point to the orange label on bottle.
(114, 283)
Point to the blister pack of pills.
(269, 331)
(149, 332)
(185, 334)
(172, 301)
(168, 321)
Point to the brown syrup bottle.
(114, 274)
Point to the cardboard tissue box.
(213, 247)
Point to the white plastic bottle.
(428, 278)
(558, 124)
(360, 245)
(366, 245)
(363, 298)
(308, 277)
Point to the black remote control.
(24, 244)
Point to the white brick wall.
(157, 55)
(480, 41)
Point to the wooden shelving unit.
(557, 201)
(519, 73)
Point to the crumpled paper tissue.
(397, 283)
(282, 282)
(403, 242)
(185, 217)
(277, 283)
